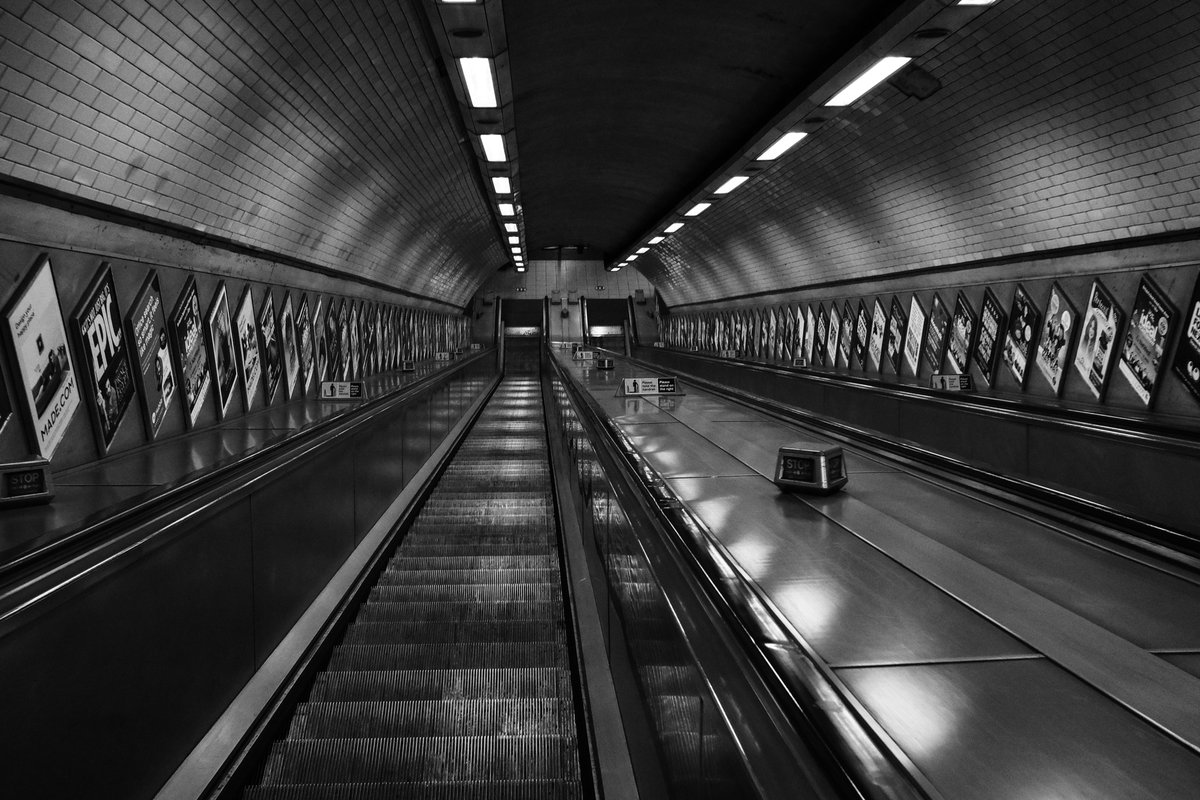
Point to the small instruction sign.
(476, 346)
(341, 390)
(642, 387)
(585, 355)
(442, 355)
(951, 383)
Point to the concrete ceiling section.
(321, 131)
(1057, 125)
(622, 108)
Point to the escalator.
(455, 679)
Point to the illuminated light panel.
(502, 185)
(960, 2)
(674, 226)
(516, 251)
(641, 250)
(731, 184)
(657, 239)
(481, 86)
(507, 210)
(493, 146)
(615, 268)
(782, 145)
(514, 240)
(697, 209)
(511, 227)
(520, 269)
(877, 74)
(632, 258)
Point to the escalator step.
(379, 611)
(461, 717)
(419, 549)
(468, 577)
(493, 655)
(480, 592)
(426, 790)
(360, 633)
(440, 684)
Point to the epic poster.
(106, 360)
(1058, 329)
(147, 328)
(895, 335)
(963, 328)
(304, 343)
(1021, 336)
(935, 337)
(287, 340)
(1098, 338)
(914, 338)
(1146, 340)
(1187, 355)
(187, 329)
(991, 325)
(39, 340)
(247, 343)
(220, 344)
(272, 357)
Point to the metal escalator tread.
(453, 680)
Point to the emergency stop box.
(811, 467)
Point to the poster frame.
(1048, 336)
(1147, 293)
(1097, 384)
(266, 314)
(104, 275)
(833, 335)
(862, 335)
(878, 334)
(936, 330)
(304, 341)
(1015, 356)
(287, 345)
(989, 309)
(224, 395)
(963, 310)
(191, 291)
(249, 387)
(914, 335)
(1186, 363)
(847, 337)
(163, 355)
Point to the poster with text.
(287, 341)
(878, 334)
(270, 347)
(894, 342)
(935, 336)
(1151, 324)
(1058, 329)
(1187, 356)
(248, 354)
(320, 343)
(810, 334)
(106, 360)
(187, 331)
(847, 337)
(821, 346)
(343, 322)
(333, 339)
(355, 343)
(146, 327)
(963, 329)
(220, 344)
(49, 387)
(862, 335)
(304, 343)
(1097, 339)
(915, 336)
(1024, 322)
(991, 328)
(834, 333)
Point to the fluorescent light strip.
(520, 269)
(960, 2)
(514, 240)
(674, 226)
(502, 185)
(657, 239)
(877, 74)
(507, 210)
(641, 250)
(782, 145)
(697, 209)
(616, 268)
(731, 184)
(516, 251)
(481, 86)
(493, 146)
(632, 257)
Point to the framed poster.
(187, 333)
(248, 354)
(1024, 323)
(935, 336)
(106, 363)
(833, 333)
(1058, 329)
(304, 344)
(878, 334)
(376, 341)
(963, 329)
(914, 339)
(287, 343)
(991, 326)
(272, 353)
(49, 387)
(220, 345)
(821, 345)
(333, 341)
(894, 343)
(1097, 339)
(146, 326)
(1151, 325)
(810, 334)
(862, 334)
(1187, 355)
(353, 352)
(320, 345)
(847, 337)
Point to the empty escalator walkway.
(454, 680)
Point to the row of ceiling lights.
(876, 74)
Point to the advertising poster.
(220, 344)
(246, 339)
(1097, 339)
(963, 329)
(376, 340)
(187, 331)
(914, 338)
(147, 329)
(352, 345)
(287, 342)
(878, 333)
(847, 337)
(333, 340)
(862, 335)
(935, 336)
(894, 344)
(1187, 356)
(1023, 327)
(1058, 329)
(991, 328)
(821, 345)
(1151, 323)
(269, 347)
(810, 334)
(106, 361)
(39, 340)
(304, 343)
(320, 345)
(833, 333)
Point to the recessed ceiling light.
(481, 86)
(674, 226)
(514, 240)
(641, 250)
(697, 209)
(782, 145)
(502, 185)
(975, 2)
(516, 251)
(520, 269)
(657, 239)
(493, 146)
(615, 268)
(877, 74)
(507, 210)
(731, 184)
(632, 257)
(511, 227)
(448, 2)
